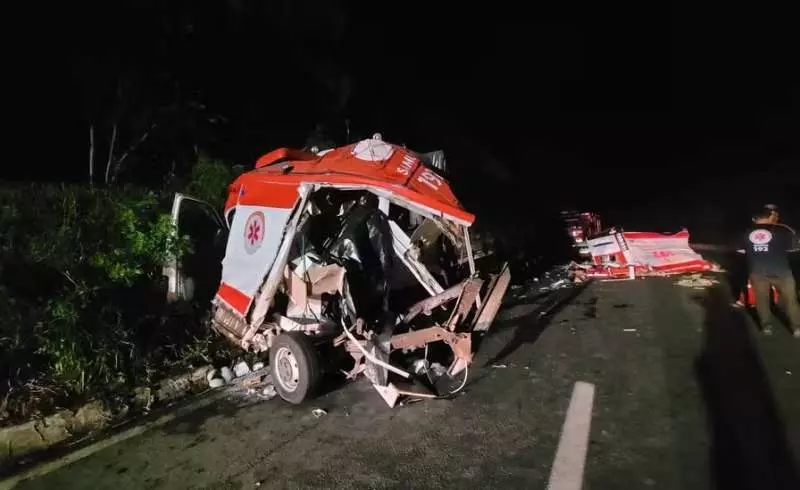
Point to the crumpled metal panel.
(364, 248)
(434, 159)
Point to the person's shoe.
(767, 330)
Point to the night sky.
(632, 110)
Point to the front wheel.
(294, 365)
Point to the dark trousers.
(787, 295)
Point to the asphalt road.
(688, 396)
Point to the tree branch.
(91, 153)
(132, 148)
(111, 151)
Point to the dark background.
(657, 116)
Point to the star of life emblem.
(254, 231)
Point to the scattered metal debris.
(437, 370)
(251, 382)
(629, 330)
(269, 392)
(499, 366)
(562, 276)
(696, 281)
(411, 401)
(420, 366)
(318, 412)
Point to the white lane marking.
(568, 466)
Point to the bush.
(210, 180)
(82, 308)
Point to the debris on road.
(240, 369)
(216, 383)
(499, 366)
(696, 281)
(255, 384)
(253, 379)
(629, 330)
(318, 412)
(226, 374)
(269, 392)
(562, 277)
(252, 382)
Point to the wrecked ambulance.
(356, 260)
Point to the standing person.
(767, 244)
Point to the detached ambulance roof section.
(369, 163)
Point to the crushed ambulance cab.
(356, 260)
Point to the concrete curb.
(203, 400)
(35, 436)
(160, 417)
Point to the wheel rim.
(287, 369)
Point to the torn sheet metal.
(306, 284)
(409, 255)
(493, 300)
(427, 305)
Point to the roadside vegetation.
(82, 296)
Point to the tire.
(294, 365)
